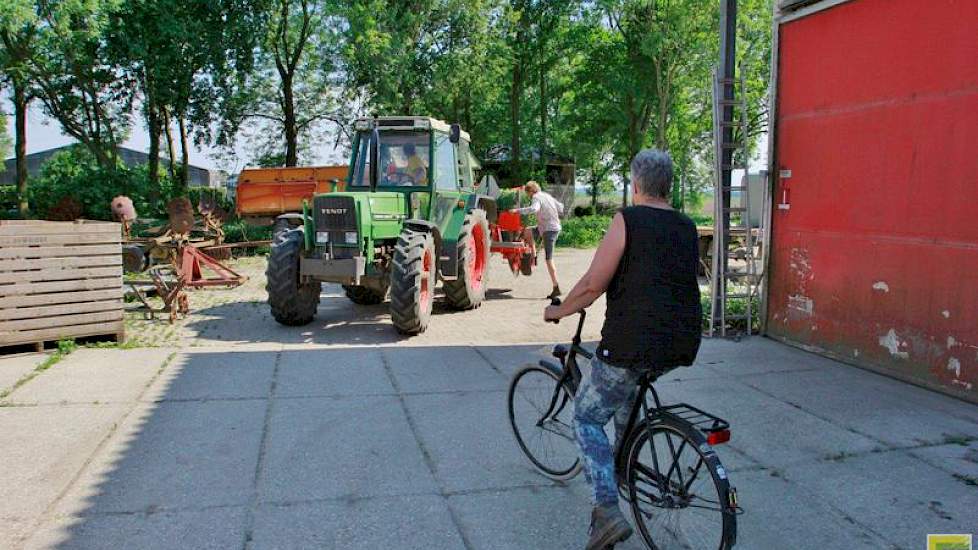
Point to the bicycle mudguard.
(698, 436)
(552, 367)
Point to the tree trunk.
(543, 120)
(171, 153)
(594, 193)
(184, 158)
(20, 147)
(291, 127)
(153, 121)
(625, 180)
(515, 93)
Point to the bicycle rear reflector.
(718, 437)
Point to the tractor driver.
(415, 172)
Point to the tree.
(295, 88)
(17, 35)
(74, 78)
(185, 57)
(5, 143)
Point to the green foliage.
(700, 219)
(283, 106)
(736, 306)
(237, 231)
(75, 173)
(583, 232)
(6, 144)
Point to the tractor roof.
(407, 122)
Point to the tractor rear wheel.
(413, 281)
(293, 301)
(280, 227)
(469, 289)
(363, 296)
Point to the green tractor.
(409, 215)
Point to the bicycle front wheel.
(541, 413)
(678, 490)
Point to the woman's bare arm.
(594, 283)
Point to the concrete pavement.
(409, 447)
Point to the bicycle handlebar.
(555, 302)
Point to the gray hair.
(652, 173)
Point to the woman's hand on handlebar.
(552, 312)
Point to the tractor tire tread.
(293, 303)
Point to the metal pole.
(728, 62)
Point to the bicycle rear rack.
(702, 420)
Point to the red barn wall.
(876, 259)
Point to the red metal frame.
(191, 270)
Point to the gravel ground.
(512, 313)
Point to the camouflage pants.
(604, 392)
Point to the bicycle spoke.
(695, 472)
(541, 420)
(687, 513)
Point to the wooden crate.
(59, 280)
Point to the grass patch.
(65, 347)
(583, 232)
(737, 306)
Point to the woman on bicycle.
(647, 263)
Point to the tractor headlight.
(322, 237)
(350, 237)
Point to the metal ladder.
(730, 284)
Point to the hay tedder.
(179, 255)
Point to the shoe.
(608, 528)
(554, 293)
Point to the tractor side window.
(464, 168)
(446, 171)
(361, 170)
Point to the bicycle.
(654, 437)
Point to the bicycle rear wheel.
(681, 498)
(541, 413)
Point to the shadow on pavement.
(410, 447)
(351, 448)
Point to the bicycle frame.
(692, 427)
(571, 375)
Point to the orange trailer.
(265, 194)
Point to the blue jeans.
(604, 392)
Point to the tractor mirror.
(455, 133)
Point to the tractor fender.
(484, 202)
(425, 226)
(290, 216)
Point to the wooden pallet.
(59, 280)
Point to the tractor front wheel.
(412, 287)
(468, 290)
(293, 301)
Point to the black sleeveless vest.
(654, 316)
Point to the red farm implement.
(508, 240)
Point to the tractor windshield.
(402, 159)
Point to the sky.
(44, 133)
